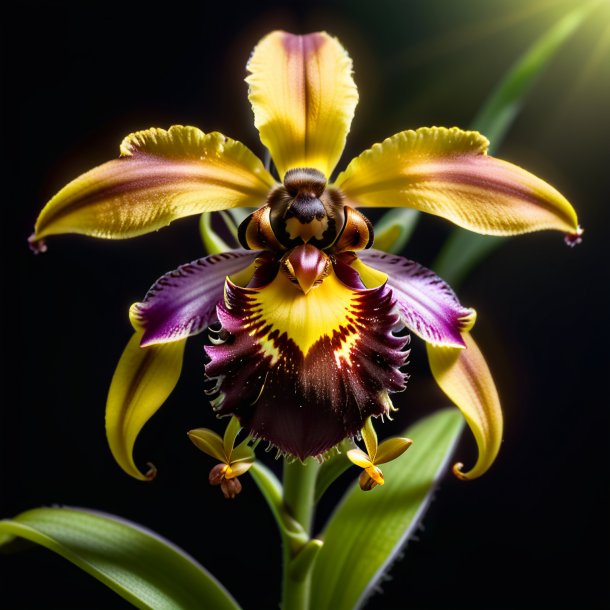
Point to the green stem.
(299, 485)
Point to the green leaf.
(464, 250)
(394, 229)
(231, 432)
(212, 242)
(330, 470)
(368, 529)
(140, 566)
(461, 253)
(503, 105)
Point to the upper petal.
(428, 305)
(303, 96)
(183, 302)
(464, 376)
(160, 176)
(447, 172)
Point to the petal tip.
(37, 246)
(573, 239)
(151, 473)
(468, 320)
(457, 470)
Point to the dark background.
(77, 79)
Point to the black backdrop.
(77, 78)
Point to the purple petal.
(183, 302)
(305, 401)
(428, 305)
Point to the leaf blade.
(368, 529)
(139, 565)
(464, 250)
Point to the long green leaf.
(212, 242)
(394, 229)
(330, 471)
(142, 567)
(503, 105)
(464, 250)
(368, 529)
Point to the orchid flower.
(309, 343)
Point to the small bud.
(371, 477)
(230, 488)
(365, 481)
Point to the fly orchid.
(309, 343)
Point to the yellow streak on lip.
(305, 318)
(343, 353)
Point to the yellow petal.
(464, 376)
(303, 97)
(371, 278)
(447, 172)
(392, 448)
(375, 474)
(236, 469)
(160, 177)
(209, 442)
(358, 457)
(369, 436)
(143, 380)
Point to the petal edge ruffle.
(446, 172)
(162, 175)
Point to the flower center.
(305, 211)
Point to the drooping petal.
(209, 442)
(142, 381)
(464, 376)
(304, 371)
(303, 97)
(161, 176)
(183, 302)
(447, 172)
(427, 304)
(358, 457)
(392, 448)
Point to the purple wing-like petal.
(183, 302)
(428, 305)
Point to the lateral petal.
(141, 383)
(183, 302)
(446, 172)
(303, 96)
(427, 304)
(464, 376)
(161, 176)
